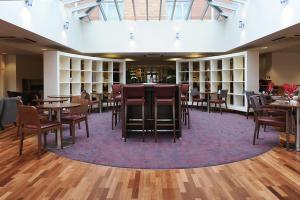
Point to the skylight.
(117, 10)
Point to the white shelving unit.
(68, 74)
(235, 72)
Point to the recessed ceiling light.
(264, 47)
(44, 49)
(173, 59)
(3, 53)
(128, 59)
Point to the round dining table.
(60, 96)
(50, 100)
(58, 107)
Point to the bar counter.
(164, 112)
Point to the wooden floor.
(274, 175)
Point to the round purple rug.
(213, 139)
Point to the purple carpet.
(213, 139)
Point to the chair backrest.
(82, 109)
(76, 99)
(28, 116)
(133, 91)
(164, 91)
(184, 89)
(116, 89)
(195, 92)
(248, 95)
(255, 103)
(263, 99)
(223, 94)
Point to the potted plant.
(289, 90)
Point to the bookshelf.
(235, 72)
(69, 74)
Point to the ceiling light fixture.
(241, 24)
(29, 3)
(177, 36)
(131, 37)
(44, 49)
(264, 47)
(66, 25)
(284, 2)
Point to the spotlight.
(66, 25)
(177, 36)
(131, 36)
(29, 3)
(241, 24)
(284, 2)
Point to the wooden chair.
(262, 118)
(197, 98)
(248, 95)
(77, 115)
(222, 99)
(185, 112)
(116, 104)
(30, 122)
(134, 95)
(164, 95)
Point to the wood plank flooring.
(273, 175)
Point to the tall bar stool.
(164, 95)
(185, 113)
(134, 95)
(116, 104)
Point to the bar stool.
(134, 95)
(185, 113)
(116, 104)
(164, 95)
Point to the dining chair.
(75, 116)
(185, 112)
(248, 95)
(116, 104)
(197, 98)
(29, 121)
(262, 118)
(222, 99)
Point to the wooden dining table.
(50, 100)
(58, 107)
(291, 106)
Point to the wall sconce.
(241, 24)
(284, 2)
(66, 25)
(29, 3)
(177, 36)
(131, 36)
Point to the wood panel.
(273, 175)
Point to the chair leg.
(39, 144)
(247, 114)
(143, 118)
(45, 140)
(265, 128)
(174, 123)
(202, 107)
(73, 132)
(220, 107)
(79, 125)
(21, 143)
(125, 121)
(255, 133)
(61, 137)
(155, 121)
(226, 105)
(87, 127)
(112, 119)
(188, 115)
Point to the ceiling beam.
(118, 10)
(160, 5)
(102, 11)
(173, 10)
(240, 1)
(82, 15)
(133, 7)
(70, 1)
(230, 6)
(147, 10)
(204, 12)
(85, 6)
(189, 10)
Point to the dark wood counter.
(134, 112)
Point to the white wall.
(153, 36)
(262, 18)
(45, 18)
(29, 67)
(285, 68)
(11, 73)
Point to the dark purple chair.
(134, 95)
(116, 104)
(164, 95)
(185, 113)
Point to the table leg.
(58, 117)
(298, 130)
(288, 128)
